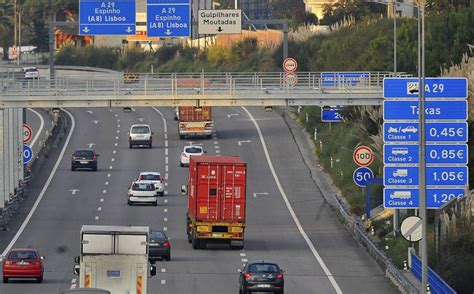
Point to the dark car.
(159, 247)
(23, 263)
(261, 276)
(84, 158)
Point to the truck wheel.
(208, 136)
(130, 146)
(196, 243)
(40, 279)
(155, 203)
(181, 137)
(5, 280)
(168, 258)
(129, 203)
(203, 244)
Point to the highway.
(318, 255)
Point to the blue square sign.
(168, 18)
(107, 17)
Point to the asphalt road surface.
(288, 220)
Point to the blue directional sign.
(435, 132)
(168, 18)
(435, 110)
(27, 154)
(434, 87)
(361, 175)
(400, 176)
(107, 17)
(437, 197)
(435, 154)
(331, 114)
(334, 79)
(401, 198)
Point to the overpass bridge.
(116, 89)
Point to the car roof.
(193, 146)
(84, 149)
(149, 173)
(261, 261)
(23, 249)
(140, 125)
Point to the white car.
(155, 179)
(188, 151)
(140, 135)
(176, 113)
(142, 192)
(31, 72)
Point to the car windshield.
(84, 153)
(193, 150)
(143, 187)
(156, 236)
(263, 268)
(22, 255)
(140, 130)
(31, 69)
(150, 177)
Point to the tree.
(334, 13)
(6, 26)
(294, 10)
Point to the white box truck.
(114, 258)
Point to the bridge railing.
(176, 84)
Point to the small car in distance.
(30, 72)
(140, 135)
(142, 192)
(261, 276)
(23, 263)
(84, 158)
(188, 151)
(154, 178)
(159, 246)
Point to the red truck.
(216, 201)
(194, 121)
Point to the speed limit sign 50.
(363, 156)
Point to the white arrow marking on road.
(95, 121)
(262, 193)
(90, 145)
(89, 111)
(74, 191)
(86, 30)
(230, 115)
(246, 141)
(168, 32)
(140, 119)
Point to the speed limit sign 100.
(363, 156)
(27, 133)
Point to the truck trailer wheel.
(196, 243)
(202, 244)
(181, 137)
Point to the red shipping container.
(217, 189)
(191, 113)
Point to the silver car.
(142, 192)
(140, 135)
(155, 179)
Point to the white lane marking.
(163, 282)
(115, 151)
(163, 270)
(95, 121)
(116, 115)
(116, 138)
(45, 187)
(165, 210)
(166, 168)
(166, 143)
(290, 208)
(165, 219)
(99, 208)
(230, 115)
(111, 110)
(245, 260)
(113, 159)
(73, 281)
(118, 131)
(118, 120)
(74, 191)
(216, 142)
(89, 111)
(166, 160)
(110, 167)
(216, 146)
(90, 145)
(166, 176)
(245, 141)
(104, 191)
(106, 183)
(108, 175)
(255, 195)
(165, 201)
(166, 192)
(218, 151)
(243, 254)
(116, 144)
(96, 217)
(166, 152)
(218, 155)
(118, 126)
(73, 286)
(40, 128)
(165, 229)
(140, 119)
(166, 184)
(101, 199)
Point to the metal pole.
(19, 37)
(3, 196)
(422, 171)
(394, 39)
(51, 47)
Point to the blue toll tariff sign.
(447, 176)
(400, 154)
(435, 132)
(438, 197)
(435, 110)
(168, 18)
(107, 17)
(434, 87)
(435, 154)
(334, 79)
(401, 198)
(400, 176)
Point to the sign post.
(107, 17)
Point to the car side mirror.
(184, 189)
(153, 270)
(42, 257)
(77, 269)
(77, 259)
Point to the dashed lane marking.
(216, 146)
(166, 143)
(104, 191)
(165, 229)
(163, 282)
(166, 192)
(166, 160)
(165, 210)
(165, 219)
(111, 167)
(163, 270)
(113, 159)
(115, 151)
(243, 254)
(99, 208)
(73, 281)
(116, 144)
(73, 286)
(166, 176)
(108, 175)
(116, 115)
(96, 217)
(166, 152)
(101, 199)
(118, 131)
(118, 126)
(218, 151)
(166, 184)
(166, 168)
(216, 142)
(116, 137)
(245, 260)
(165, 201)
(106, 183)
(166, 136)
